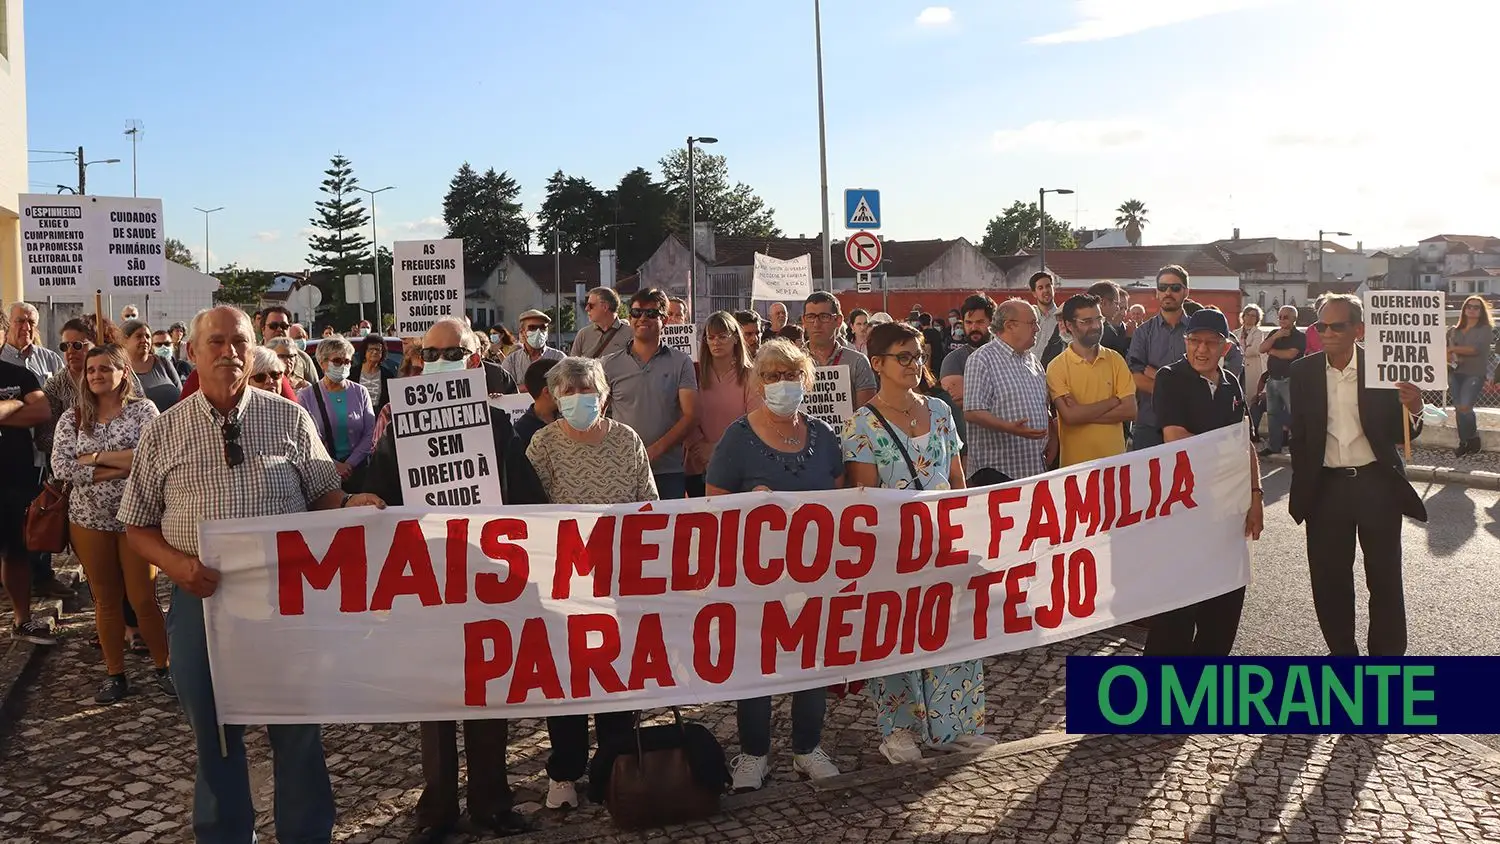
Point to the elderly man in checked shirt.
(229, 452)
(1011, 431)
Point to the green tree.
(566, 322)
(1132, 215)
(735, 210)
(339, 245)
(239, 286)
(1019, 228)
(577, 212)
(178, 253)
(486, 212)
(642, 212)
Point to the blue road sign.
(861, 208)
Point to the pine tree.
(341, 248)
(485, 212)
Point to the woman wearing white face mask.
(584, 458)
(779, 448)
(532, 348)
(340, 409)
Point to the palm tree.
(1132, 215)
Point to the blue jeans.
(1464, 391)
(808, 707)
(671, 485)
(1144, 436)
(222, 811)
(1279, 406)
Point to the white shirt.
(1347, 445)
(1046, 323)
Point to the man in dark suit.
(1348, 482)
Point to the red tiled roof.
(1478, 272)
(1134, 262)
(906, 257)
(575, 268)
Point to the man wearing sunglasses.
(605, 333)
(1348, 481)
(279, 324)
(1157, 342)
(451, 345)
(653, 388)
(230, 452)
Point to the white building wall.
(12, 145)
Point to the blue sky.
(1275, 116)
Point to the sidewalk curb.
(1475, 478)
(1471, 747)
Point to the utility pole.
(82, 172)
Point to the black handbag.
(659, 775)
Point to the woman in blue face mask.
(779, 448)
(341, 411)
(585, 458)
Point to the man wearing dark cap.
(1196, 395)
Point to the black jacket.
(1380, 413)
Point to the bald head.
(453, 333)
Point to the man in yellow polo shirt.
(1091, 387)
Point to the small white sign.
(516, 404)
(72, 246)
(683, 338)
(1406, 339)
(444, 444)
(428, 283)
(832, 396)
(777, 280)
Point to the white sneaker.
(815, 765)
(560, 794)
(966, 743)
(900, 747)
(749, 773)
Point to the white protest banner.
(74, 245)
(428, 283)
(444, 444)
(1406, 339)
(683, 338)
(832, 396)
(363, 616)
(775, 279)
(516, 404)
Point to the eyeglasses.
(278, 326)
(234, 454)
(1335, 327)
(162, 344)
(431, 355)
(265, 377)
(1089, 321)
(645, 313)
(1170, 288)
(822, 319)
(774, 377)
(907, 358)
(75, 345)
(338, 361)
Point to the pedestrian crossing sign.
(861, 208)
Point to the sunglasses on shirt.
(234, 453)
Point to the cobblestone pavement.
(73, 771)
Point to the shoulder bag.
(605, 337)
(896, 438)
(47, 518)
(327, 423)
(660, 775)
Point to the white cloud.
(935, 16)
(1099, 20)
(307, 232)
(1073, 136)
(268, 237)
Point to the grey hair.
(335, 345)
(569, 375)
(1283, 308)
(284, 343)
(263, 359)
(466, 336)
(241, 318)
(1356, 307)
(36, 316)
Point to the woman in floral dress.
(904, 439)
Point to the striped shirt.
(1012, 386)
(181, 475)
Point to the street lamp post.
(1041, 196)
(375, 247)
(206, 212)
(77, 156)
(1321, 233)
(823, 150)
(693, 224)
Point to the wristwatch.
(345, 503)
